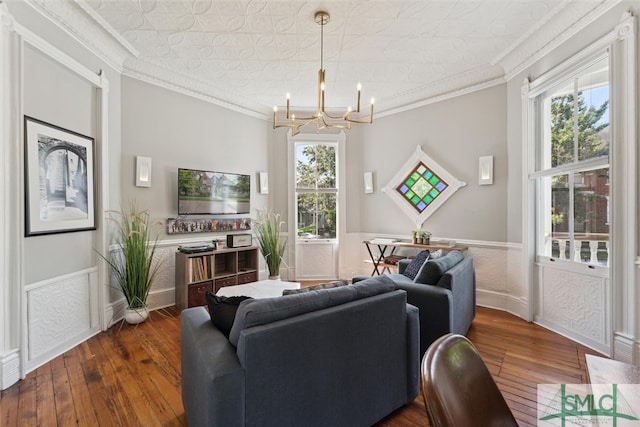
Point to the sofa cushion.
(267, 310)
(416, 264)
(223, 310)
(435, 268)
(327, 285)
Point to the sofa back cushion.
(434, 269)
(266, 310)
(327, 285)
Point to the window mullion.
(576, 116)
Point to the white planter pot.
(133, 316)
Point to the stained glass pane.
(421, 187)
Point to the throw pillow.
(223, 311)
(332, 284)
(436, 254)
(414, 266)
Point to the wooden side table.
(378, 261)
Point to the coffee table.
(260, 289)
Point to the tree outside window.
(316, 191)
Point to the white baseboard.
(114, 312)
(9, 368)
(51, 354)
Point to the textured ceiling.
(249, 54)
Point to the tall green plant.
(267, 228)
(134, 268)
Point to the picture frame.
(59, 179)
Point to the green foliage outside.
(317, 171)
(591, 144)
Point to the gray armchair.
(445, 293)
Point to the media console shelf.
(202, 272)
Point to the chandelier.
(321, 117)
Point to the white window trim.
(623, 152)
(339, 139)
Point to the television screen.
(212, 193)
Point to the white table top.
(260, 289)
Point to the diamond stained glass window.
(421, 187)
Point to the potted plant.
(133, 267)
(267, 228)
(424, 237)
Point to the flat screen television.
(212, 193)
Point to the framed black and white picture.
(59, 179)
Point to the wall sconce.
(263, 185)
(368, 182)
(143, 171)
(485, 170)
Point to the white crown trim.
(70, 18)
(565, 26)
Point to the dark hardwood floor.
(130, 375)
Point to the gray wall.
(176, 131)
(56, 95)
(454, 133)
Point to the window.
(573, 165)
(316, 190)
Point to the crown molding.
(73, 19)
(573, 18)
(472, 81)
(160, 76)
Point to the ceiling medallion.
(321, 118)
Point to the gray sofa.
(444, 290)
(346, 356)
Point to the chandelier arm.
(363, 122)
(329, 125)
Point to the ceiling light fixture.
(321, 118)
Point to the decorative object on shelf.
(206, 225)
(321, 117)
(134, 267)
(267, 227)
(421, 186)
(421, 237)
(59, 181)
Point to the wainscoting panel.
(316, 261)
(61, 312)
(575, 304)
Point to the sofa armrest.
(461, 280)
(413, 352)
(435, 306)
(213, 383)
